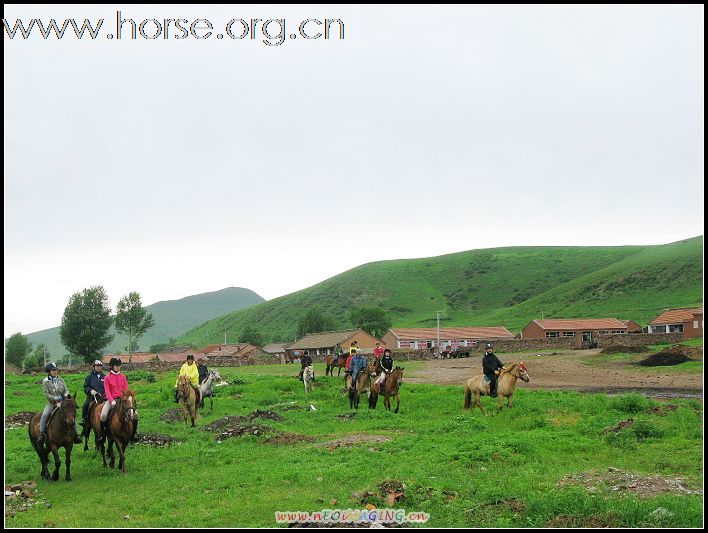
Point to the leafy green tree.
(157, 348)
(33, 360)
(314, 321)
(373, 320)
(85, 324)
(133, 320)
(42, 354)
(17, 348)
(252, 336)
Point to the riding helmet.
(115, 361)
(50, 366)
(98, 362)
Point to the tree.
(157, 348)
(252, 336)
(133, 320)
(85, 324)
(17, 348)
(42, 354)
(314, 321)
(373, 320)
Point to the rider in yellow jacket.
(190, 370)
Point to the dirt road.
(571, 371)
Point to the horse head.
(128, 405)
(523, 373)
(214, 375)
(398, 375)
(67, 410)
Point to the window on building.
(658, 329)
(695, 324)
(552, 334)
(676, 328)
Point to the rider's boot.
(176, 396)
(42, 436)
(104, 429)
(134, 436)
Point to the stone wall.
(638, 339)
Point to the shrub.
(643, 430)
(630, 403)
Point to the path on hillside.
(566, 371)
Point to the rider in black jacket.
(93, 387)
(305, 361)
(490, 365)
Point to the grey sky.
(178, 167)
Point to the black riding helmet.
(50, 366)
(115, 362)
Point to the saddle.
(51, 415)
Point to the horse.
(390, 388)
(61, 432)
(363, 384)
(307, 376)
(187, 399)
(333, 361)
(121, 419)
(207, 389)
(505, 386)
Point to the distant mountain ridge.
(172, 318)
(490, 287)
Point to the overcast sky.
(175, 167)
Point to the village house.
(175, 354)
(425, 338)
(214, 352)
(133, 358)
(586, 329)
(688, 321)
(325, 343)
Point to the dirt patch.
(156, 439)
(664, 359)
(619, 427)
(347, 416)
(235, 426)
(614, 480)
(173, 415)
(662, 410)
(270, 415)
(391, 491)
(289, 438)
(596, 520)
(351, 440)
(18, 419)
(20, 497)
(624, 349)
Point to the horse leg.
(67, 449)
(398, 404)
(57, 463)
(478, 402)
(387, 402)
(211, 403)
(500, 399)
(509, 401)
(121, 456)
(111, 455)
(43, 454)
(101, 445)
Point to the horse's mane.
(509, 368)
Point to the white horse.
(307, 376)
(207, 388)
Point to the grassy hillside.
(172, 318)
(501, 286)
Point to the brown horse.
(187, 399)
(363, 385)
(334, 361)
(390, 388)
(505, 386)
(61, 432)
(121, 419)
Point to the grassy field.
(464, 469)
(501, 286)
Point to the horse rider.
(55, 391)
(338, 352)
(190, 370)
(378, 351)
(203, 370)
(491, 365)
(386, 369)
(358, 363)
(304, 363)
(93, 387)
(353, 348)
(114, 384)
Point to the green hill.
(172, 318)
(499, 286)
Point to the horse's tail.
(468, 397)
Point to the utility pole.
(224, 337)
(437, 314)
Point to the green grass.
(459, 467)
(501, 286)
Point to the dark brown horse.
(61, 432)
(121, 417)
(363, 385)
(333, 361)
(389, 388)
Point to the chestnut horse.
(363, 385)
(505, 386)
(121, 418)
(390, 387)
(333, 361)
(61, 432)
(187, 399)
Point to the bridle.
(126, 409)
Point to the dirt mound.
(235, 426)
(289, 438)
(662, 410)
(664, 359)
(353, 439)
(20, 497)
(619, 427)
(173, 415)
(18, 419)
(155, 439)
(347, 416)
(270, 415)
(614, 480)
(624, 349)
